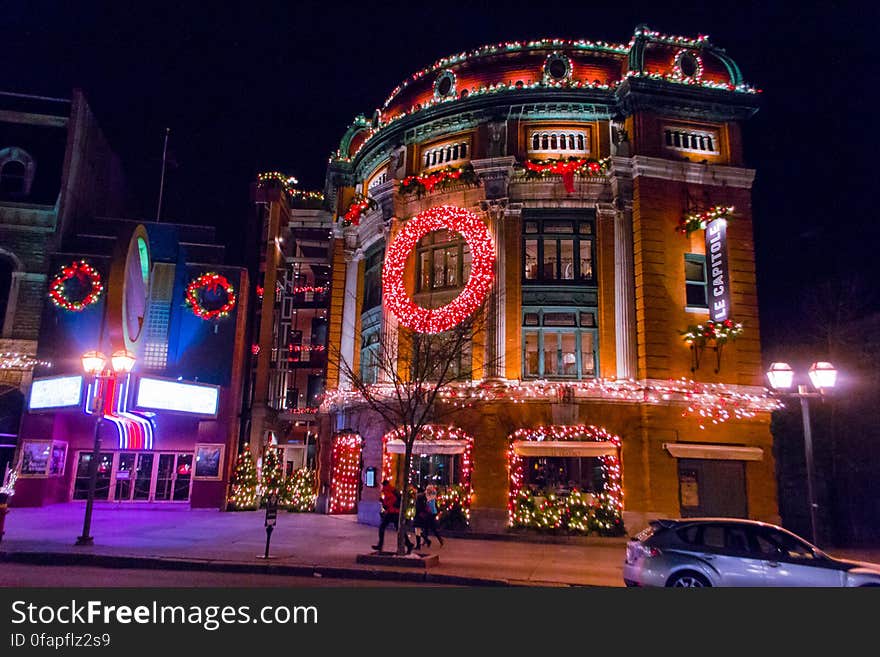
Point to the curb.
(550, 539)
(158, 563)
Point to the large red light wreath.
(85, 274)
(437, 320)
(212, 283)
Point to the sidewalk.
(302, 544)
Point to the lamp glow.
(780, 375)
(123, 361)
(823, 375)
(93, 362)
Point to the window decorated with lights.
(443, 457)
(566, 479)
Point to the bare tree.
(412, 370)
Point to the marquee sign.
(178, 397)
(717, 269)
(55, 392)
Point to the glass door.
(143, 477)
(182, 477)
(164, 478)
(102, 482)
(124, 477)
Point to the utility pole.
(162, 178)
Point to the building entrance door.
(173, 478)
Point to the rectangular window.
(558, 250)
(444, 261)
(373, 280)
(555, 347)
(696, 287)
(562, 474)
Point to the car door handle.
(773, 564)
(708, 557)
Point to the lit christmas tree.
(299, 494)
(271, 478)
(244, 482)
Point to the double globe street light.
(96, 366)
(823, 377)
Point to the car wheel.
(688, 579)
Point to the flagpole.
(162, 179)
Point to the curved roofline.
(502, 48)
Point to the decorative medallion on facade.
(557, 68)
(437, 320)
(444, 85)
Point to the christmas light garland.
(427, 182)
(711, 331)
(288, 184)
(575, 513)
(85, 274)
(437, 320)
(453, 500)
(565, 167)
(211, 282)
(13, 360)
(358, 207)
(304, 289)
(699, 220)
(679, 73)
(346, 468)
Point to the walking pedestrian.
(420, 520)
(431, 515)
(390, 514)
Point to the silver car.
(729, 552)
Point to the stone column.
(350, 305)
(624, 280)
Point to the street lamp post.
(824, 377)
(95, 365)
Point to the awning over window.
(719, 452)
(428, 447)
(564, 448)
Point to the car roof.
(680, 522)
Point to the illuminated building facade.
(169, 429)
(620, 365)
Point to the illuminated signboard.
(55, 392)
(178, 397)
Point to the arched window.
(536, 141)
(580, 142)
(12, 178)
(16, 172)
(464, 149)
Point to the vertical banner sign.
(717, 270)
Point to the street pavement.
(168, 538)
(162, 537)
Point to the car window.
(779, 544)
(689, 534)
(736, 539)
(713, 536)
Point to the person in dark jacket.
(420, 521)
(390, 513)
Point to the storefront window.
(437, 469)
(563, 474)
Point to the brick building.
(55, 168)
(611, 182)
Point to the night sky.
(272, 85)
